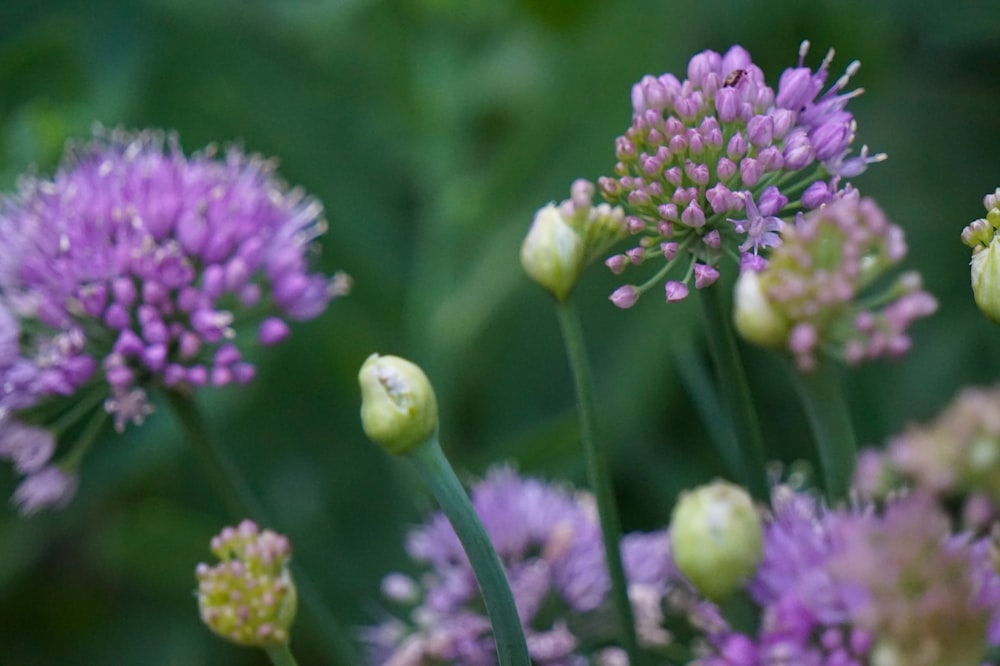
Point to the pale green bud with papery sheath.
(552, 253)
(565, 237)
(717, 538)
(755, 318)
(398, 405)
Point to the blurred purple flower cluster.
(549, 542)
(135, 266)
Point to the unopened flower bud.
(981, 235)
(754, 316)
(398, 406)
(986, 279)
(553, 252)
(249, 597)
(717, 538)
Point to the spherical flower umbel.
(926, 596)
(815, 294)
(712, 165)
(135, 267)
(249, 597)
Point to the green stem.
(599, 475)
(241, 503)
(437, 473)
(225, 475)
(735, 391)
(823, 401)
(281, 655)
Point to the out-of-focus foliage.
(432, 130)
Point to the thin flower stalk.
(826, 410)
(735, 389)
(240, 501)
(599, 475)
(437, 473)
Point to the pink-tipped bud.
(625, 296)
(675, 291)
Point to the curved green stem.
(437, 473)
(735, 392)
(241, 503)
(281, 655)
(823, 401)
(599, 475)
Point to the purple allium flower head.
(548, 539)
(702, 155)
(809, 289)
(864, 585)
(135, 266)
(926, 595)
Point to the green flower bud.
(398, 407)
(986, 278)
(754, 316)
(248, 598)
(553, 252)
(981, 235)
(717, 538)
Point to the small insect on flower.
(734, 77)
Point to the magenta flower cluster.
(135, 266)
(711, 165)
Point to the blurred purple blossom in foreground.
(835, 587)
(135, 266)
(548, 539)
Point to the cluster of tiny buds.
(699, 168)
(981, 232)
(249, 597)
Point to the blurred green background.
(432, 130)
